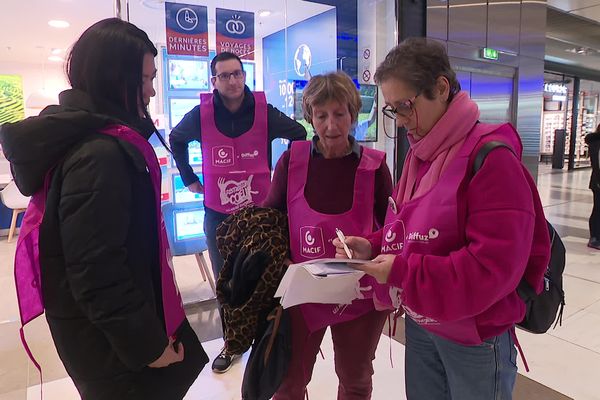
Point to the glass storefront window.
(281, 44)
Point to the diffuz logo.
(416, 236)
(311, 242)
(249, 155)
(222, 156)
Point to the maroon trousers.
(354, 345)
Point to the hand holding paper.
(379, 268)
(325, 281)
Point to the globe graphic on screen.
(302, 60)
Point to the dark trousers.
(212, 219)
(595, 216)
(354, 345)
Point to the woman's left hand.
(379, 268)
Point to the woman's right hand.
(359, 247)
(170, 356)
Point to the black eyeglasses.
(403, 109)
(225, 76)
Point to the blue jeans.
(212, 219)
(439, 369)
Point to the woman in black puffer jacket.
(593, 142)
(103, 277)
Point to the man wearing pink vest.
(235, 128)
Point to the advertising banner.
(187, 29)
(235, 33)
(12, 106)
(304, 49)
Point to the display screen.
(188, 74)
(189, 224)
(181, 193)
(195, 153)
(178, 107)
(249, 69)
(365, 129)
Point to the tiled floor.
(565, 363)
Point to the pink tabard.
(430, 224)
(312, 233)
(27, 255)
(236, 170)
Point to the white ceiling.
(26, 38)
(584, 8)
(572, 39)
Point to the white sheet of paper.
(301, 283)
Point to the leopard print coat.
(244, 234)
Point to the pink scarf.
(438, 147)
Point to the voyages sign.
(235, 33)
(187, 29)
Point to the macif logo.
(311, 242)
(393, 239)
(390, 235)
(223, 156)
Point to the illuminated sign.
(556, 88)
(489, 54)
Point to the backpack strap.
(485, 150)
(524, 289)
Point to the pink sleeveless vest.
(312, 233)
(431, 224)
(27, 256)
(236, 170)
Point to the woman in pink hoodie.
(455, 243)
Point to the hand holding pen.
(360, 248)
(351, 247)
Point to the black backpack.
(544, 308)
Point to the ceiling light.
(55, 59)
(584, 51)
(56, 51)
(264, 13)
(55, 23)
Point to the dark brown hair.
(333, 86)
(106, 62)
(418, 62)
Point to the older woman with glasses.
(456, 243)
(329, 183)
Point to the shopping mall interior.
(535, 64)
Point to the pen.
(342, 238)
